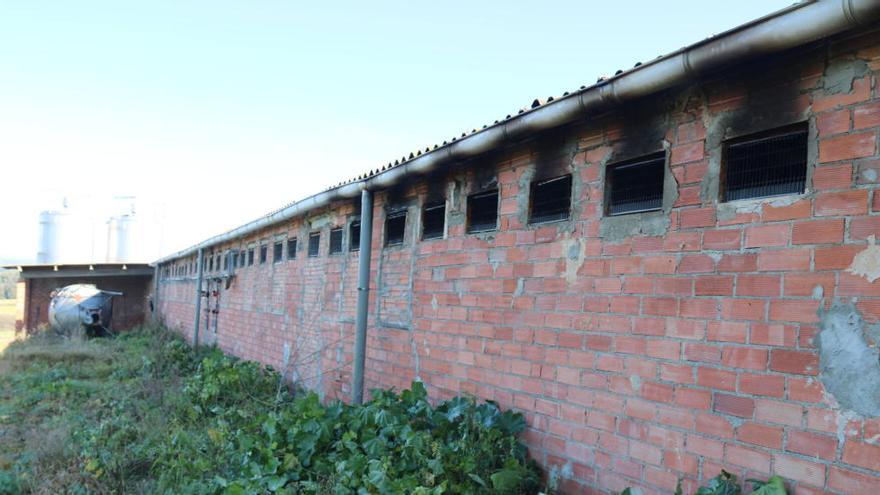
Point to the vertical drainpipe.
(200, 262)
(363, 300)
(155, 312)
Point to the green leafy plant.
(144, 413)
(726, 484)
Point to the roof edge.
(787, 28)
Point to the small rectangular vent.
(291, 248)
(278, 252)
(765, 165)
(395, 227)
(551, 200)
(434, 221)
(335, 241)
(314, 244)
(354, 235)
(482, 211)
(635, 186)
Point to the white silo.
(121, 239)
(52, 225)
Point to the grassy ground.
(7, 322)
(144, 413)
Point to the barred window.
(482, 211)
(314, 244)
(354, 235)
(278, 252)
(395, 227)
(434, 220)
(551, 199)
(291, 248)
(335, 241)
(635, 186)
(766, 164)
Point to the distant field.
(7, 322)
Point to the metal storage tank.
(53, 224)
(121, 239)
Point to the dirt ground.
(7, 322)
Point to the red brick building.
(36, 283)
(669, 272)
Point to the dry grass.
(7, 322)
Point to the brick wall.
(128, 310)
(642, 349)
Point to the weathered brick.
(847, 147)
(798, 362)
(818, 232)
(842, 203)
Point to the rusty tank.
(82, 307)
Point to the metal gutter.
(788, 28)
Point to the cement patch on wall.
(849, 365)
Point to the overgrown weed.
(145, 413)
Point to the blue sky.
(213, 113)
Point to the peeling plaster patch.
(818, 292)
(434, 304)
(574, 259)
(285, 360)
(320, 221)
(849, 366)
(618, 228)
(843, 419)
(636, 382)
(520, 288)
(867, 263)
(869, 174)
(839, 75)
(728, 211)
(417, 364)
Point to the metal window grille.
(250, 257)
(434, 221)
(278, 252)
(264, 253)
(483, 211)
(291, 249)
(762, 166)
(635, 186)
(335, 241)
(395, 227)
(314, 244)
(241, 258)
(354, 235)
(551, 199)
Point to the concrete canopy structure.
(36, 283)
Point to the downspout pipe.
(155, 307)
(197, 320)
(363, 297)
(788, 28)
